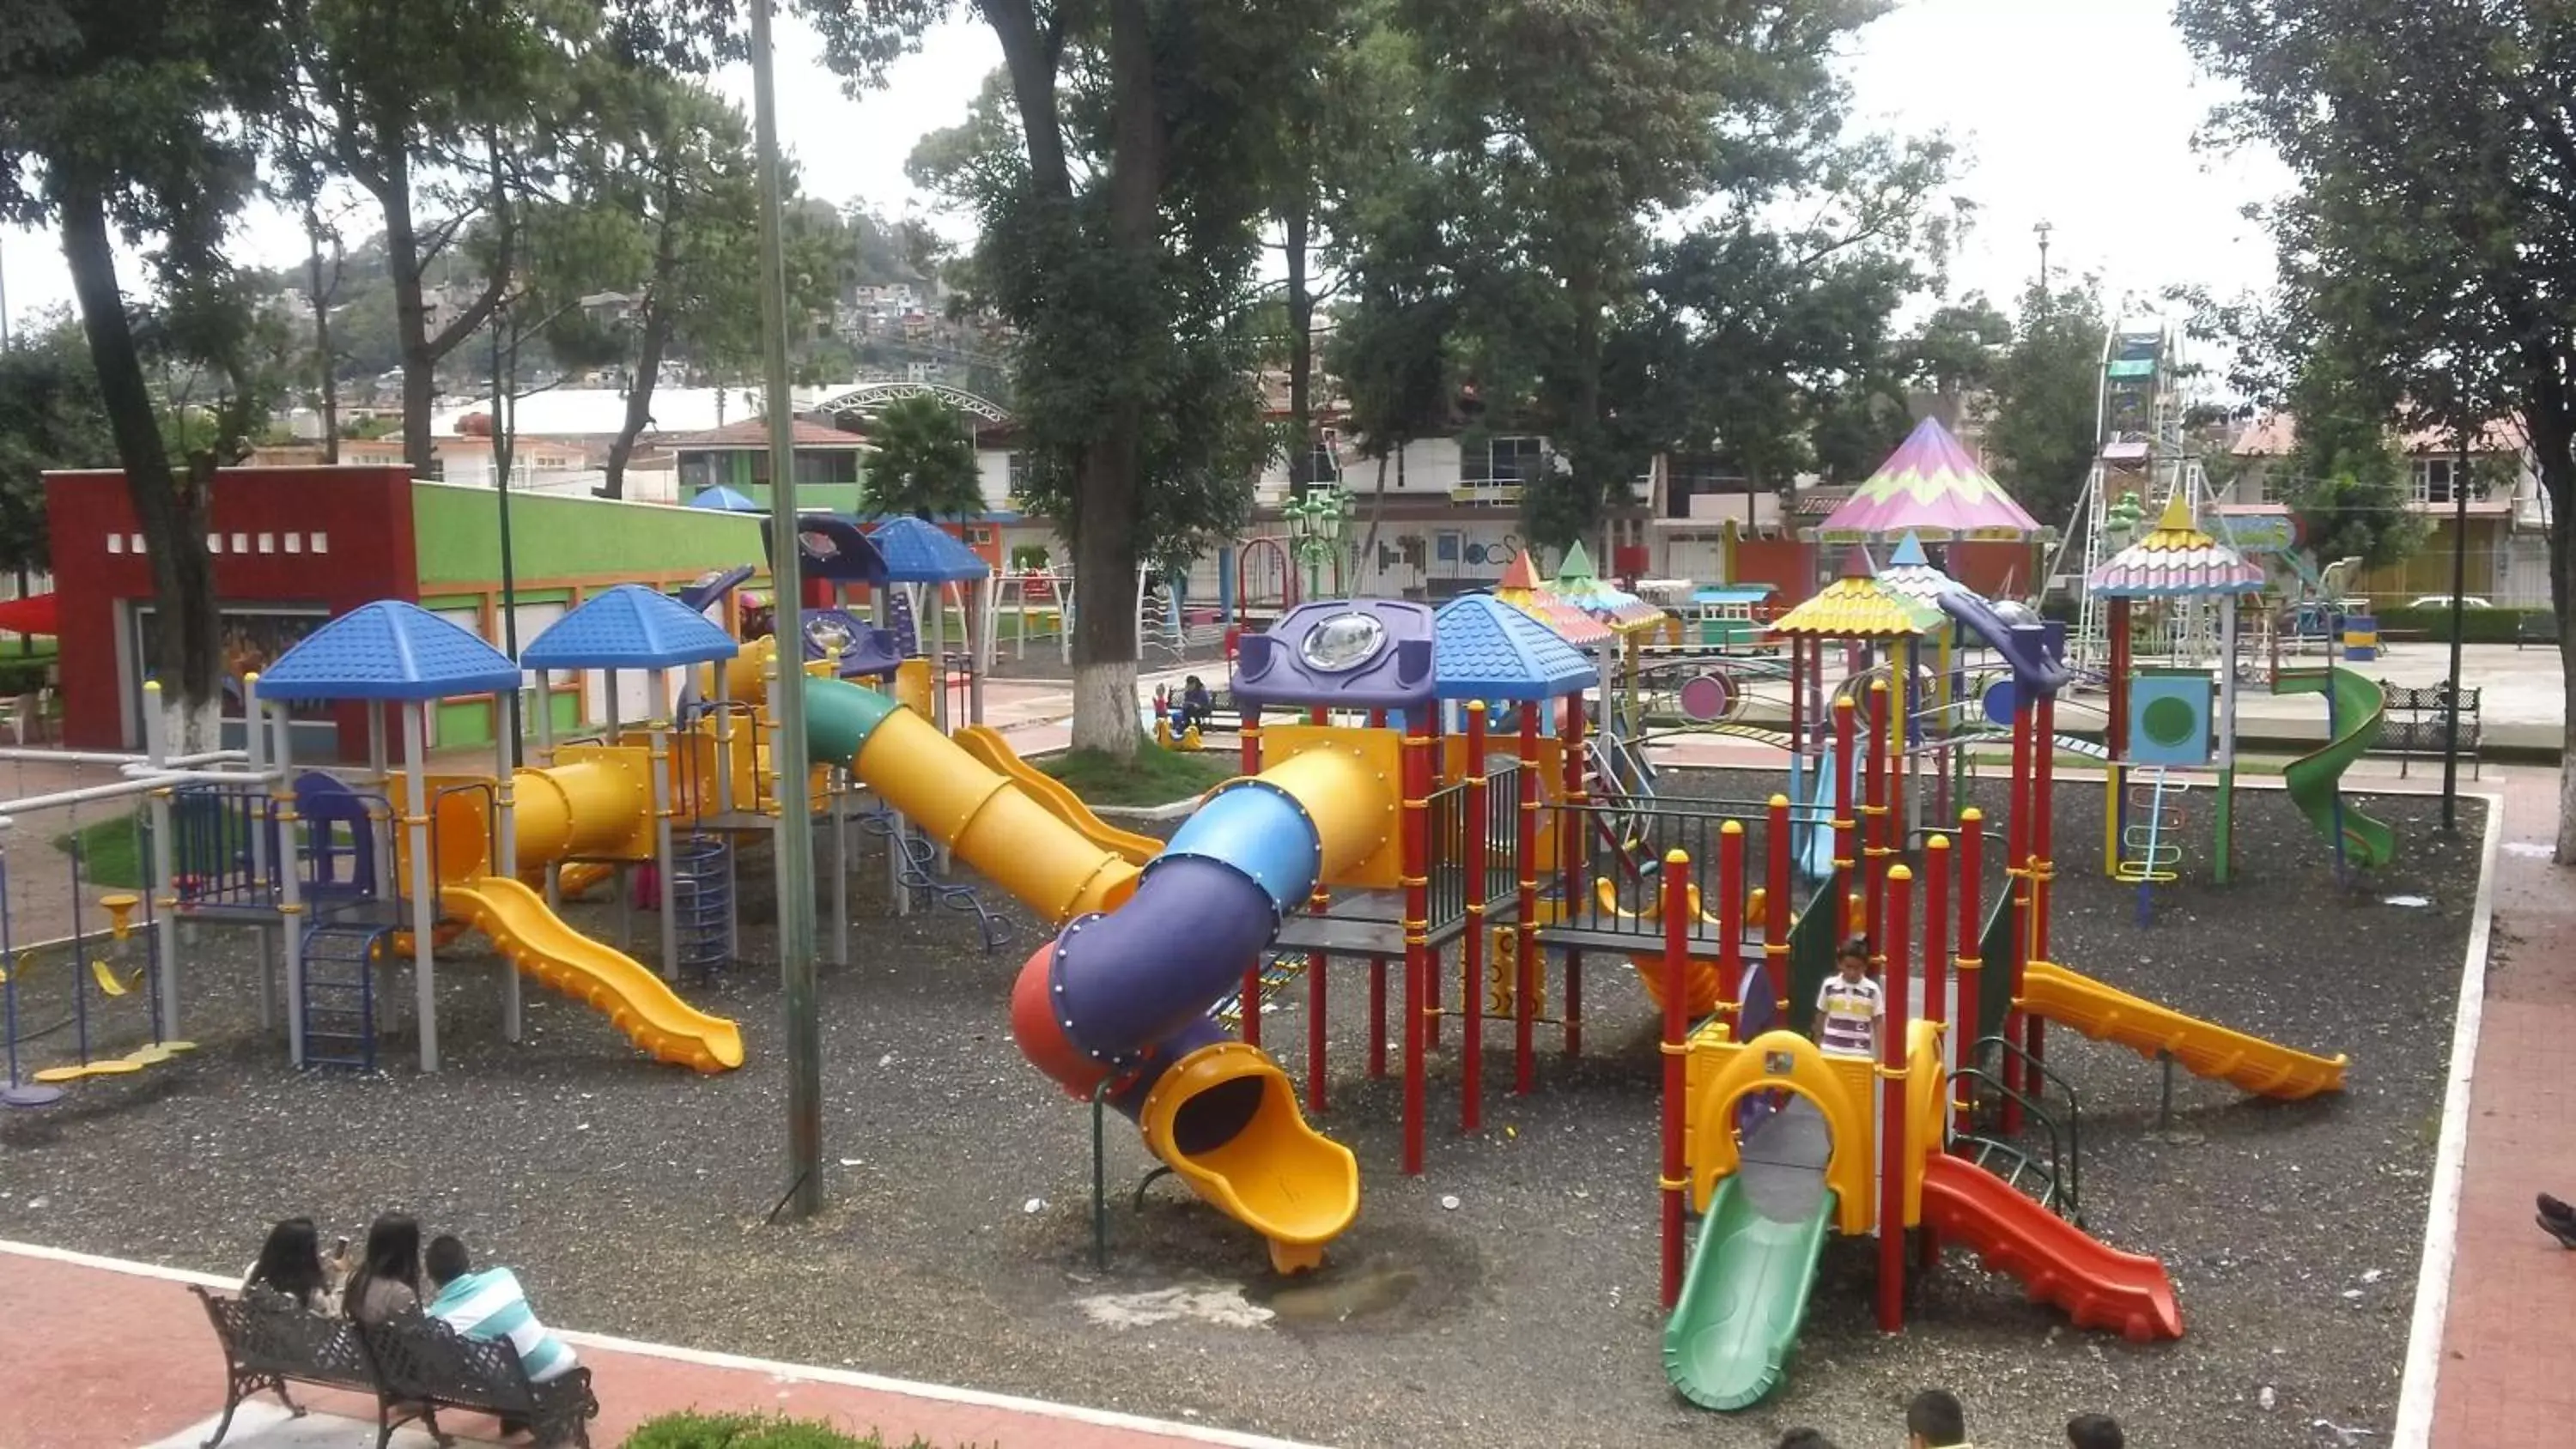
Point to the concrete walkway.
(104, 1354)
(2499, 1378)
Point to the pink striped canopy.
(1931, 488)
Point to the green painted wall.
(459, 537)
(835, 497)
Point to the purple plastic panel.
(1349, 653)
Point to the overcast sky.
(2076, 112)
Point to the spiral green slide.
(1728, 1342)
(2355, 709)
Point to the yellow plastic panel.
(1354, 809)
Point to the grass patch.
(752, 1431)
(111, 851)
(1155, 777)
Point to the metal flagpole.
(787, 701)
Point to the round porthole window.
(1343, 642)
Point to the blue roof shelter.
(917, 551)
(1486, 649)
(725, 500)
(629, 626)
(391, 652)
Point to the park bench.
(2416, 724)
(423, 1361)
(411, 1367)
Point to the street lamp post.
(1315, 530)
(2459, 586)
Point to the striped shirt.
(489, 1305)
(1847, 1011)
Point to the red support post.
(2017, 882)
(1676, 1051)
(1251, 994)
(1970, 965)
(1525, 970)
(1776, 907)
(1730, 921)
(1417, 938)
(1874, 835)
(1578, 858)
(1471, 945)
(1892, 1156)
(1377, 1016)
(1936, 981)
(2043, 865)
(1846, 834)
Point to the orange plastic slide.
(2106, 1013)
(996, 754)
(2098, 1285)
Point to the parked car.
(2443, 601)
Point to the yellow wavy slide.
(2105, 1013)
(996, 754)
(611, 982)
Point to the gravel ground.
(956, 1247)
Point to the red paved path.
(2504, 1376)
(98, 1358)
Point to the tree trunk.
(1377, 508)
(411, 315)
(1105, 552)
(656, 335)
(323, 358)
(2552, 431)
(1301, 345)
(186, 644)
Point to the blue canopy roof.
(918, 551)
(628, 627)
(725, 500)
(1489, 650)
(388, 650)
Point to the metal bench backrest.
(2431, 698)
(266, 1333)
(424, 1358)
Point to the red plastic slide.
(2098, 1285)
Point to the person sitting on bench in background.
(291, 1265)
(1198, 707)
(489, 1304)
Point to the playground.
(635, 1196)
(2164, 1047)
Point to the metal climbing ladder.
(2151, 841)
(702, 901)
(917, 870)
(340, 993)
(1277, 970)
(2047, 1159)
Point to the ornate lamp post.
(1315, 531)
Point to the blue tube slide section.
(2024, 646)
(1126, 994)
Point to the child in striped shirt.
(489, 1304)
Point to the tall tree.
(52, 415)
(2347, 483)
(125, 118)
(657, 208)
(1573, 128)
(2047, 410)
(1118, 236)
(923, 461)
(437, 109)
(2430, 236)
(1956, 353)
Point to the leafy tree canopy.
(923, 463)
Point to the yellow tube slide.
(995, 753)
(990, 822)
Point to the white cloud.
(2080, 112)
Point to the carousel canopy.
(2177, 560)
(1859, 606)
(1910, 572)
(1523, 589)
(1930, 487)
(1624, 612)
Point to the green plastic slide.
(2315, 779)
(1727, 1345)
